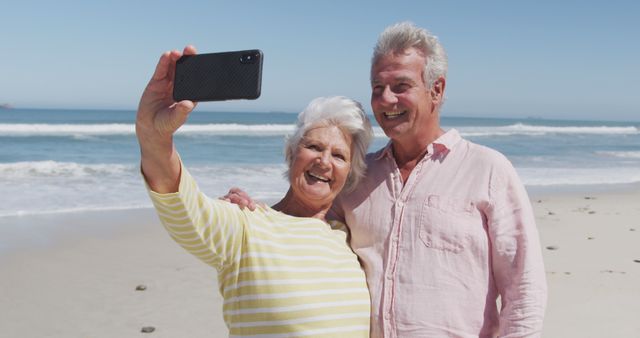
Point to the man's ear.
(437, 90)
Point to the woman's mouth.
(318, 177)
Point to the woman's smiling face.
(320, 166)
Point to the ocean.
(54, 161)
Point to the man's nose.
(388, 96)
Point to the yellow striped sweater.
(279, 275)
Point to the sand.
(591, 247)
(76, 274)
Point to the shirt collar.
(385, 151)
(441, 145)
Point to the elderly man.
(442, 226)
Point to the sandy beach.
(76, 274)
(591, 251)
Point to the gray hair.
(341, 112)
(404, 35)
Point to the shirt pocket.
(445, 223)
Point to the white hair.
(404, 35)
(341, 112)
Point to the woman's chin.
(316, 195)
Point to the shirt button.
(427, 244)
(395, 239)
(389, 276)
(387, 316)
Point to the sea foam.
(42, 187)
(129, 129)
(17, 129)
(620, 154)
(533, 130)
(30, 169)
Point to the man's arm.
(517, 263)
(240, 198)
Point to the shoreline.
(577, 189)
(77, 273)
(534, 192)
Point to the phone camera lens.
(248, 58)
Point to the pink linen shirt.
(439, 249)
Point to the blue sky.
(569, 60)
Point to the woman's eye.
(339, 156)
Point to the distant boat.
(6, 106)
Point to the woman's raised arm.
(158, 118)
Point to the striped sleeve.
(210, 229)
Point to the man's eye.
(401, 88)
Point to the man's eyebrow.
(401, 78)
(404, 79)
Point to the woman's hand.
(158, 118)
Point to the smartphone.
(219, 76)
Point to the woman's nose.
(324, 158)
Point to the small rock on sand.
(592, 212)
(148, 329)
(141, 287)
(637, 260)
(551, 213)
(553, 247)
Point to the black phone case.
(219, 76)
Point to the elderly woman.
(283, 271)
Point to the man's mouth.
(393, 114)
(318, 177)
